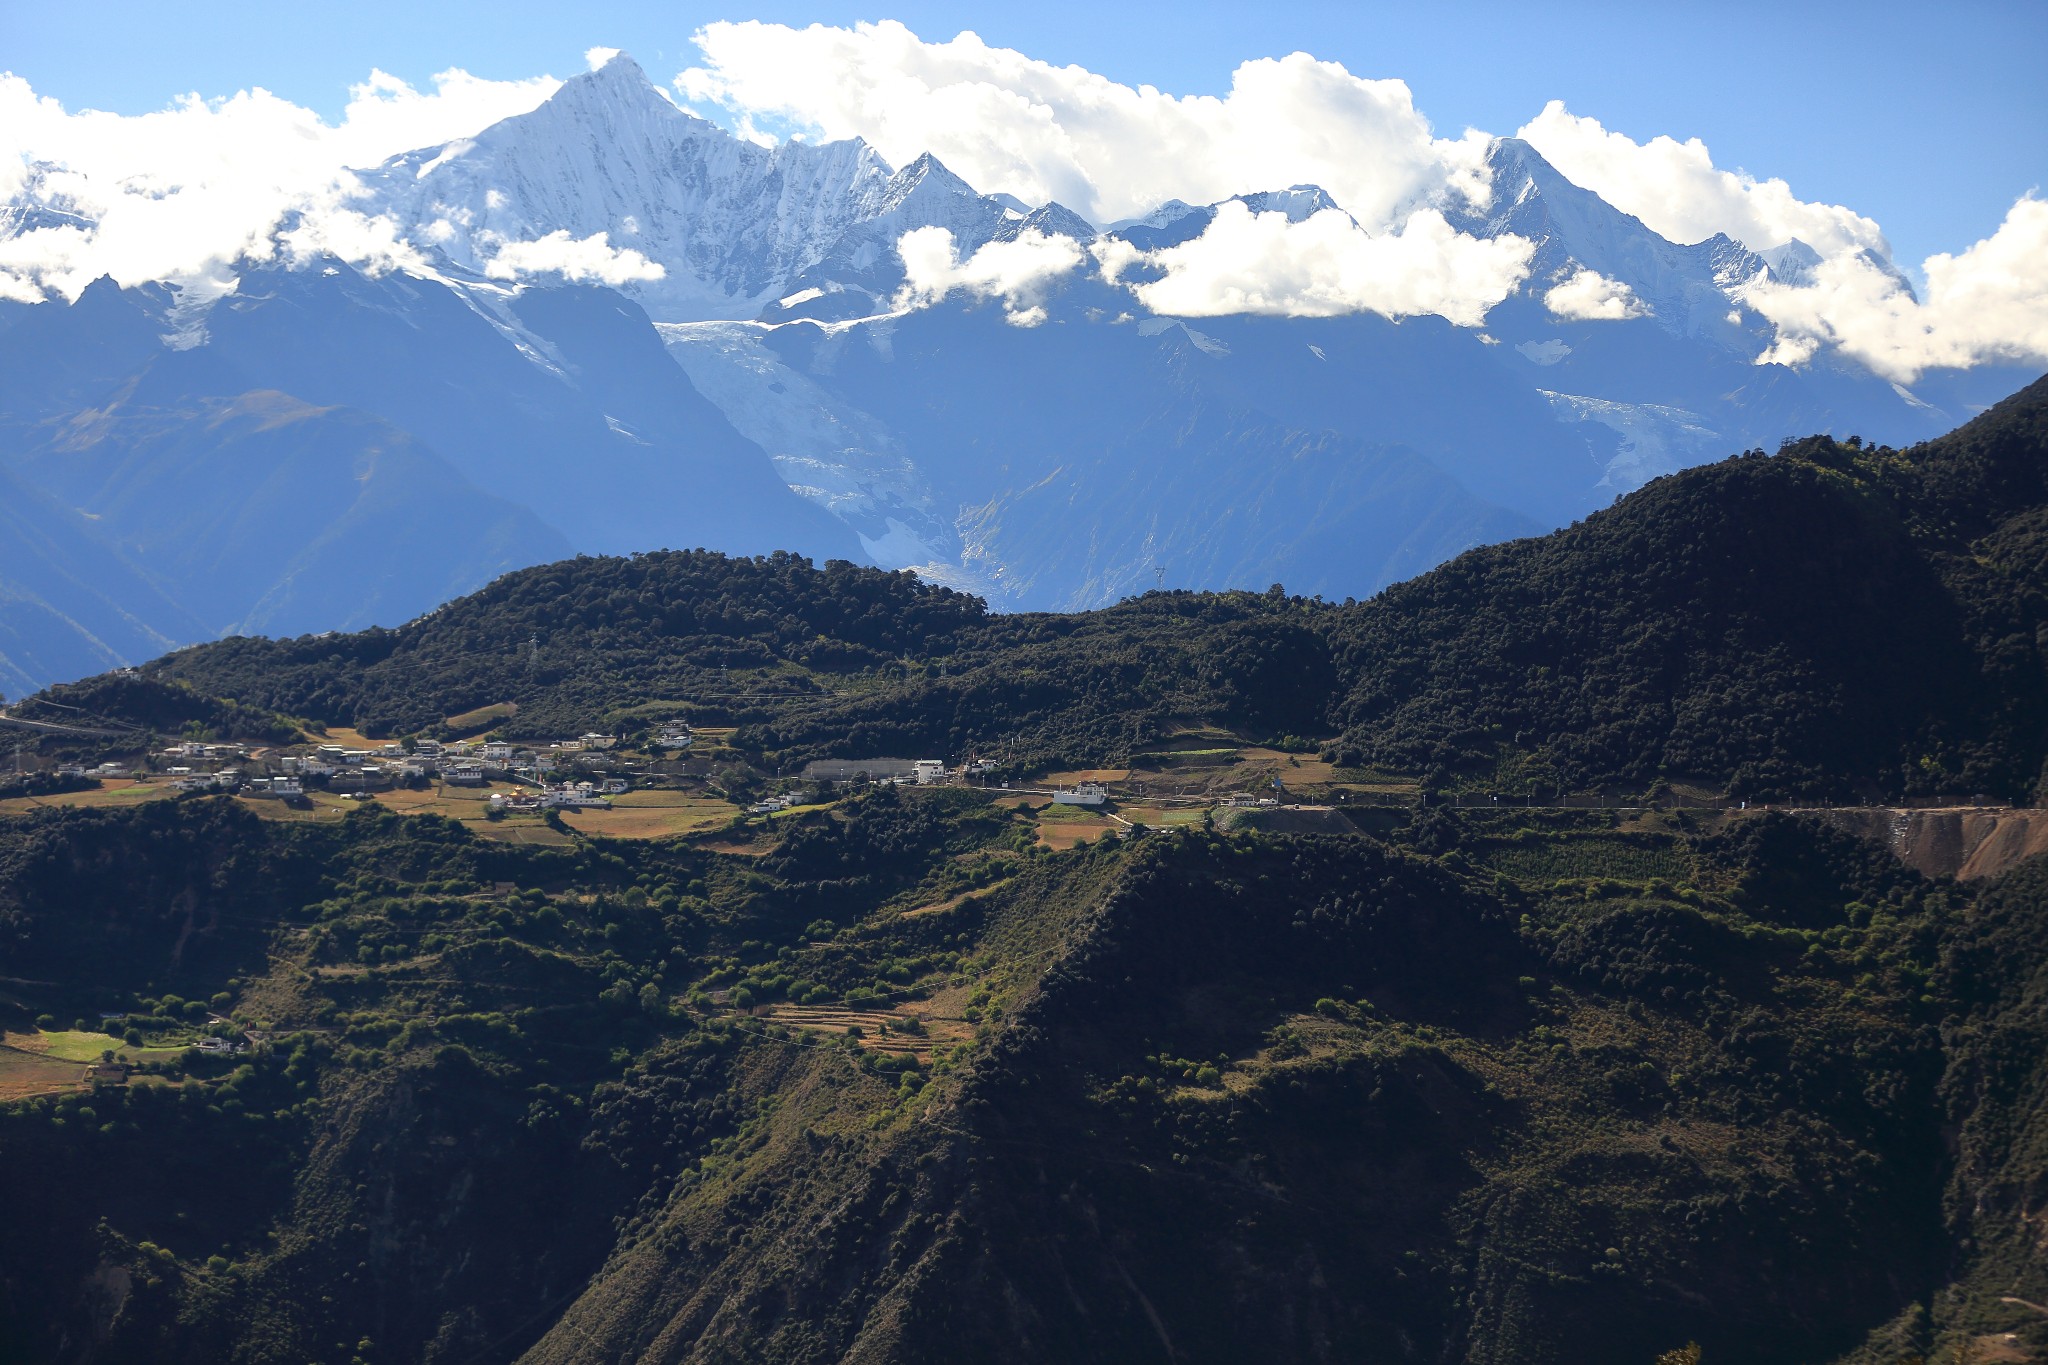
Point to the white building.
(579, 797)
(1084, 794)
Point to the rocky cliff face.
(1969, 843)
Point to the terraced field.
(23, 1074)
(912, 1029)
(1162, 816)
(653, 815)
(1064, 827)
(122, 792)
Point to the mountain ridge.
(803, 404)
(1427, 1060)
(1836, 621)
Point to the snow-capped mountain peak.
(733, 226)
(1790, 262)
(1685, 288)
(1298, 202)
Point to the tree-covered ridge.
(834, 661)
(571, 640)
(1832, 620)
(1088, 688)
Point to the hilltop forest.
(1832, 620)
(891, 1078)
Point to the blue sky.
(1929, 119)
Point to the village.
(668, 778)
(572, 774)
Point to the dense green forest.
(1834, 616)
(1833, 620)
(891, 1078)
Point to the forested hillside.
(1188, 1097)
(1831, 620)
(904, 1074)
(1832, 616)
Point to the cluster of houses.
(221, 1047)
(922, 772)
(103, 772)
(549, 770)
(196, 766)
(928, 772)
(563, 796)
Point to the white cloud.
(1012, 125)
(1678, 192)
(329, 228)
(1327, 265)
(1244, 262)
(1114, 257)
(1018, 272)
(1988, 303)
(584, 260)
(1590, 296)
(596, 57)
(186, 190)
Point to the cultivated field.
(653, 815)
(120, 792)
(915, 1027)
(23, 1074)
(321, 806)
(1076, 776)
(470, 722)
(84, 1045)
(1064, 827)
(347, 738)
(1162, 816)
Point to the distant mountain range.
(320, 448)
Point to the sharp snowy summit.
(731, 226)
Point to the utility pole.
(1159, 576)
